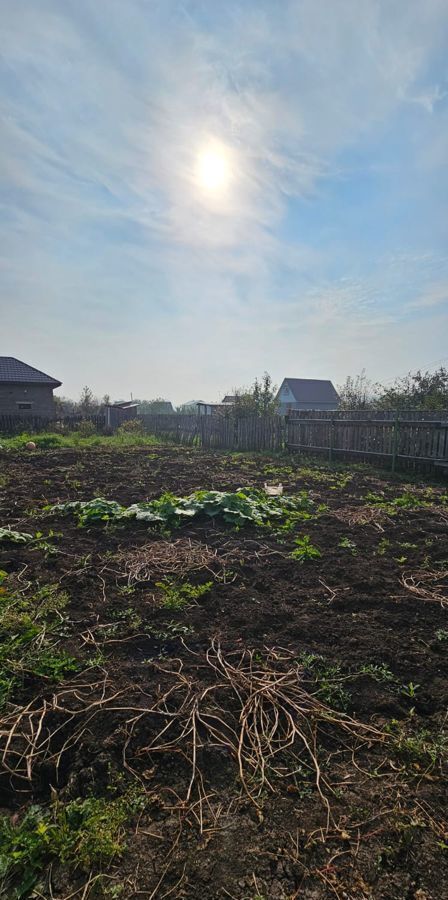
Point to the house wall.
(39, 395)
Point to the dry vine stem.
(428, 585)
(168, 558)
(268, 715)
(363, 515)
(27, 738)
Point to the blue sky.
(324, 252)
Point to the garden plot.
(207, 692)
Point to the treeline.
(89, 405)
(418, 390)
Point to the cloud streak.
(104, 110)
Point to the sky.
(193, 192)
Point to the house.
(24, 390)
(306, 393)
(229, 400)
(117, 413)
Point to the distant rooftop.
(14, 371)
(312, 390)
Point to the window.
(24, 405)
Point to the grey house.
(306, 393)
(24, 390)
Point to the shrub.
(86, 428)
(131, 426)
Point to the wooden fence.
(392, 441)
(10, 425)
(397, 441)
(219, 433)
(419, 415)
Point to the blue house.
(306, 393)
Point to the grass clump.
(81, 833)
(83, 438)
(420, 749)
(178, 596)
(328, 678)
(407, 500)
(379, 672)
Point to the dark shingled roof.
(13, 371)
(312, 390)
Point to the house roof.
(229, 398)
(312, 390)
(13, 371)
(122, 404)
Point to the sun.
(213, 170)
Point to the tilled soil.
(375, 826)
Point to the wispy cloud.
(105, 107)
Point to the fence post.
(331, 439)
(395, 441)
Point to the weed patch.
(177, 595)
(29, 627)
(81, 833)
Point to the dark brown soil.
(387, 835)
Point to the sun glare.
(213, 169)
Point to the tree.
(64, 406)
(259, 400)
(357, 392)
(87, 402)
(422, 390)
(158, 406)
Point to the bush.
(131, 426)
(86, 428)
(46, 441)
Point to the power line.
(434, 363)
